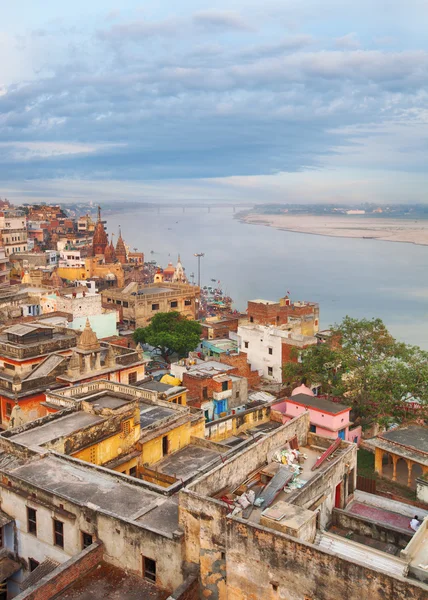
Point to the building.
(300, 316)
(13, 229)
(177, 394)
(82, 303)
(213, 387)
(216, 348)
(23, 348)
(259, 515)
(402, 454)
(327, 418)
(116, 426)
(270, 348)
(265, 524)
(219, 327)
(138, 303)
(121, 253)
(4, 268)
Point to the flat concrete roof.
(87, 486)
(149, 414)
(109, 401)
(56, 429)
(155, 290)
(412, 436)
(106, 581)
(186, 462)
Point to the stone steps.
(353, 551)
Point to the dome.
(302, 389)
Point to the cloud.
(221, 19)
(349, 41)
(166, 97)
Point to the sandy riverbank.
(388, 230)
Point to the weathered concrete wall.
(203, 521)
(236, 469)
(263, 564)
(371, 529)
(125, 542)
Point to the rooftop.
(57, 428)
(106, 581)
(412, 436)
(157, 386)
(261, 301)
(150, 414)
(110, 401)
(87, 486)
(186, 462)
(321, 404)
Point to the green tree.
(363, 363)
(170, 332)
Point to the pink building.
(327, 418)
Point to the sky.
(273, 101)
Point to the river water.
(356, 277)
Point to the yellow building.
(95, 266)
(122, 427)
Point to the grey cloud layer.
(150, 102)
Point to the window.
(125, 304)
(8, 366)
(187, 303)
(174, 304)
(224, 386)
(205, 393)
(251, 319)
(133, 471)
(246, 344)
(155, 306)
(33, 564)
(126, 428)
(31, 520)
(207, 415)
(86, 539)
(58, 533)
(149, 569)
(270, 350)
(8, 409)
(312, 428)
(132, 377)
(93, 455)
(179, 400)
(270, 371)
(165, 445)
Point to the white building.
(13, 228)
(71, 258)
(268, 348)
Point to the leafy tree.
(363, 363)
(170, 332)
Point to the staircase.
(354, 552)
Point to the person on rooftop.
(415, 523)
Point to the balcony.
(222, 395)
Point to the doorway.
(338, 495)
(165, 445)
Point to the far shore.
(387, 230)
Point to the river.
(356, 277)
